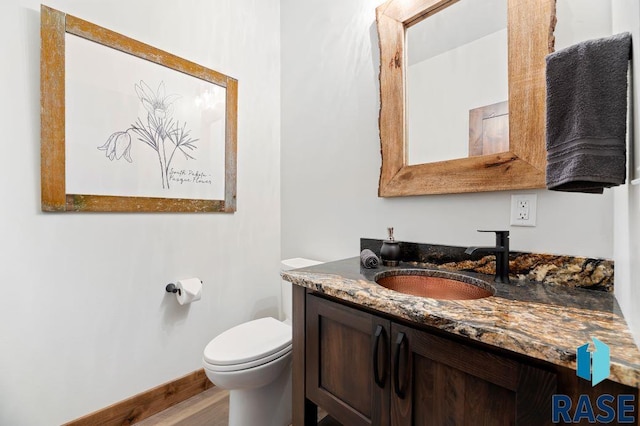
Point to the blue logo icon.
(593, 366)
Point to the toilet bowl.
(253, 362)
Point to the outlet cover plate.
(523, 209)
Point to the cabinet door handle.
(378, 378)
(396, 371)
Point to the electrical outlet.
(523, 210)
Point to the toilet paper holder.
(171, 288)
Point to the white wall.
(331, 156)
(580, 20)
(626, 17)
(84, 318)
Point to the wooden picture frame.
(160, 128)
(530, 29)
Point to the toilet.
(253, 362)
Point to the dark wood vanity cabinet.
(436, 381)
(340, 374)
(364, 369)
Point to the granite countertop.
(539, 320)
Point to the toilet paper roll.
(190, 290)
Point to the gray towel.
(369, 259)
(587, 115)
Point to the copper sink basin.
(435, 284)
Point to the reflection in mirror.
(457, 83)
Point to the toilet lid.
(248, 342)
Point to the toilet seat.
(248, 345)
(246, 365)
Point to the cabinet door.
(437, 381)
(343, 347)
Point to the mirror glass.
(457, 83)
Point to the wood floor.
(209, 408)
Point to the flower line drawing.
(158, 130)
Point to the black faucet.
(501, 250)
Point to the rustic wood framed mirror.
(530, 25)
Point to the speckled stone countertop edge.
(498, 322)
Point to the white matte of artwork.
(137, 129)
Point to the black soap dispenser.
(390, 251)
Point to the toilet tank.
(285, 291)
